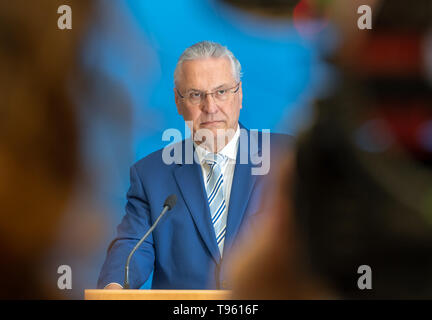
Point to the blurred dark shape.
(396, 16)
(391, 67)
(39, 156)
(359, 190)
(361, 207)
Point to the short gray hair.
(208, 49)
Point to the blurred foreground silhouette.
(39, 147)
(357, 190)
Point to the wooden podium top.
(136, 294)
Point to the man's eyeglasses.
(197, 97)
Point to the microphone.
(168, 205)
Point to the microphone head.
(170, 201)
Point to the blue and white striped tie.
(215, 196)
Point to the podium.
(150, 294)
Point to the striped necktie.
(215, 196)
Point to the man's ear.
(240, 95)
(178, 102)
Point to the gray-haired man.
(217, 193)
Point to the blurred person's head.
(269, 259)
(364, 175)
(38, 134)
(358, 191)
(208, 90)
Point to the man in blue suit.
(218, 192)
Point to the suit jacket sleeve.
(133, 226)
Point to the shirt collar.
(229, 151)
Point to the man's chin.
(213, 137)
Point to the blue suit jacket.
(182, 250)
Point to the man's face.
(208, 75)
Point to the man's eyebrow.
(215, 88)
(221, 86)
(193, 89)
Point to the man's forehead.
(206, 70)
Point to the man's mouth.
(210, 123)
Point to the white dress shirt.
(230, 151)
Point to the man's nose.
(209, 104)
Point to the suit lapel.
(242, 185)
(190, 182)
